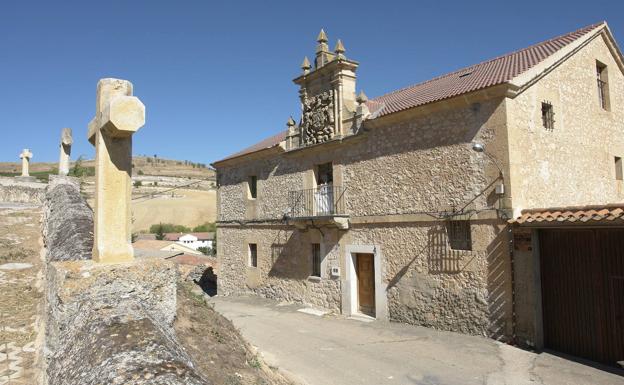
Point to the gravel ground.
(20, 292)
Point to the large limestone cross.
(66, 142)
(25, 156)
(118, 116)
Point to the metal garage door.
(583, 292)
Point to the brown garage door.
(583, 292)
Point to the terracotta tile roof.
(496, 71)
(609, 214)
(266, 143)
(493, 72)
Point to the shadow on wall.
(499, 286)
(441, 259)
(287, 259)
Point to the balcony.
(321, 205)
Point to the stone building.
(406, 207)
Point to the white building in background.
(192, 240)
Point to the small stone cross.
(118, 116)
(66, 143)
(25, 156)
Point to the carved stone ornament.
(317, 125)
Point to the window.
(548, 116)
(459, 235)
(253, 186)
(619, 172)
(603, 87)
(316, 259)
(253, 255)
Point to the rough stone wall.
(68, 221)
(21, 192)
(573, 164)
(276, 176)
(284, 265)
(423, 163)
(431, 285)
(112, 324)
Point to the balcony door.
(324, 193)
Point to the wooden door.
(366, 283)
(582, 291)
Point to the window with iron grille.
(619, 170)
(603, 89)
(253, 186)
(316, 260)
(459, 235)
(253, 255)
(548, 116)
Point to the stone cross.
(118, 116)
(25, 156)
(66, 143)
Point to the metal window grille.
(619, 170)
(548, 116)
(253, 186)
(602, 86)
(253, 255)
(459, 235)
(316, 259)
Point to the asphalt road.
(324, 350)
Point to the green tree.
(137, 183)
(207, 227)
(205, 250)
(160, 232)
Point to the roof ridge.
(588, 28)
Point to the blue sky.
(217, 76)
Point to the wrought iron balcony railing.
(323, 201)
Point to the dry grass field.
(188, 207)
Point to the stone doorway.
(363, 290)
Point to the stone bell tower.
(328, 99)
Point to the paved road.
(337, 351)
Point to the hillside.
(165, 190)
(143, 165)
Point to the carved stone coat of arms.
(318, 118)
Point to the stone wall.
(284, 265)
(68, 221)
(431, 285)
(15, 191)
(573, 164)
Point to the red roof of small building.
(489, 73)
(609, 214)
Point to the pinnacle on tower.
(291, 122)
(322, 37)
(361, 98)
(305, 66)
(340, 49)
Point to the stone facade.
(406, 176)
